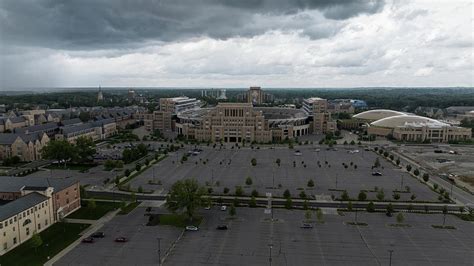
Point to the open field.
(230, 167)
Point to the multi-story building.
(65, 195)
(242, 122)
(158, 120)
(108, 127)
(317, 108)
(177, 105)
(21, 218)
(72, 132)
(8, 124)
(26, 146)
(256, 96)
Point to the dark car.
(121, 239)
(389, 214)
(306, 226)
(88, 240)
(377, 174)
(98, 235)
(222, 227)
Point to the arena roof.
(408, 120)
(377, 114)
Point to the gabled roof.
(8, 138)
(16, 206)
(71, 121)
(37, 128)
(16, 184)
(19, 119)
(76, 128)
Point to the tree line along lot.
(231, 167)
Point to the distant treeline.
(390, 98)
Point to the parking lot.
(230, 167)
(141, 248)
(251, 232)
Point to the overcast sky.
(226, 43)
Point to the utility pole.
(390, 258)
(401, 184)
(270, 257)
(336, 181)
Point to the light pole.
(452, 183)
(390, 258)
(159, 251)
(336, 181)
(401, 184)
(270, 257)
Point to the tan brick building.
(26, 146)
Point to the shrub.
(416, 172)
(287, 194)
(408, 168)
(396, 196)
(288, 203)
(253, 162)
(226, 190)
(310, 183)
(127, 172)
(253, 202)
(389, 208)
(413, 197)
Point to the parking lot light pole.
(390, 258)
(270, 257)
(401, 184)
(159, 251)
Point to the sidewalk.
(95, 225)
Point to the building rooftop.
(16, 206)
(377, 114)
(408, 120)
(16, 184)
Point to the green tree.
(311, 183)
(349, 206)
(400, 218)
(85, 149)
(239, 191)
(185, 195)
(36, 241)
(253, 202)
(226, 190)
(389, 208)
(278, 161)
(426, 177)
(91, 204)
(138, 167)
(85, 116)
(232, 210)
(303, 194)
(345, 196)
(248, 181)
(380, 195)
(286, 194)
(319, 215)
(288, 203)
(371, 207)
(408, 168)
(396, 196)
(362, 195)
(416, 172)
(140, 189)
(59, 150)
(308, 214)
(253, 162)
(254, 193)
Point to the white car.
(223, 208)
(298, 153)
(191, 228)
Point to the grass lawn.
(55, 238)
(78, 167)
(178, 220)
(88, 213)
(130, 207)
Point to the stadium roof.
(377, 114)
(408, 120)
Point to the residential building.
(8, 124)
(26, 146)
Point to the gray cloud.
(96, 24)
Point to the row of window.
(24, 214)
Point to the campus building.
(177, 105)
(33, 205)
(317, 108)
(26, 146)
(255, 96)
(411, 128)
(242, 122)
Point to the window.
(46, 222)
(27, 231)
(26, 222)
(14, 240)
(39, 226)
(5, 246)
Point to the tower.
(100, 96)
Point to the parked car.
(88, 240)
(307, 226)
(223, 208)
(377, 174)
(98, 235)
(121, 239)
(389, 214)
(191, 228)
(222, 227)
(298, 153)
(207, 208)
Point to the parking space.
(250, 234)
(230, 167)
(141, 248)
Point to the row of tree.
(62, 151)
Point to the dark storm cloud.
(93, 24)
